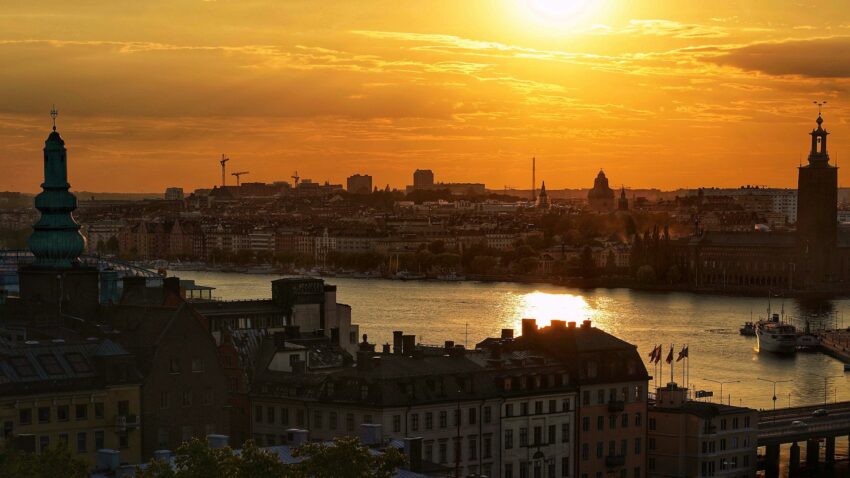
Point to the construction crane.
(238, 174)
(295, 178)
(224, 160)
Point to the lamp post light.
(774, 382)
(721, 385)
(826, 385)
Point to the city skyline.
(663, 96)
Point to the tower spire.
(53, 114)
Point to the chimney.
(171, 286)
(376, 361)
(449, 344)
(108, 460)
(385, 349)
(507, 334)
(371, 434)
(585, 324)
(558, 324)
(364, 360)
(413, 451)
(297, 437)
(571, 325)
(335, 335)
(529, 327)
(397, 341)
(217, 441)
(162, 455)
(408, 345)
(279, 340)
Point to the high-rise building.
(423, 179)
(359, 184)
(174, 194)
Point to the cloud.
(814, 58)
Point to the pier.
(836, 343)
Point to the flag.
(670, 355)
(658, 354)
(683, 354)
(653, 354)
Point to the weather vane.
(820, 105)
(53, 114)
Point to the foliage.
(344, 458)
(50, 463)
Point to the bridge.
(801, 424)
(12, 259)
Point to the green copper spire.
(56, 241)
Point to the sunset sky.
(659, 93)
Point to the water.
(468, 312)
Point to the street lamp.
(825, 385)
(774, 382)
(721, 385)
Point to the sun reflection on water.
(546, 307)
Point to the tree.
(646, 274)
(51, 462)
(346, 458)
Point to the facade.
(601, 197)
(174, 194)
(84, 394)
(359, 184)
(695, 439)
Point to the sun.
(560, 14)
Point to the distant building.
(543, 197)
(174, 194)
(689, 438)
(359, 184)
(423, 179)
(623, 203)
(601, 197)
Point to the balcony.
(616, 406)
(126, 422)
(615, 460)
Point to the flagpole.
(672, 346)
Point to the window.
(565, 466)
(599, 449)
(63, 440)
(124, 408)
(471, 415)
(207, 397)
(600, 397)
(487, 414)
(174, 366)
(509, 470)
(50, 364)
(82, 439)
(553, 407)
(25, 416)
(284, 416)
(509, 438)
(197, 365)
(443, 419)
(77, 362)
(44, 415)
(397, 423)
(565, 432)
(625, 420)
(637, 446)
(565, 405)
(98, 410)
(317, 419)
(98, 439)
(187, 399)
(414, 422)
(443, 454)
(538, 436)
(585, 397)
(349, 422)
(81, 411)
(473, 448)
(585, 424)
(600, 423)
(299, 418)
(746, 422)
(612, 422)
(269, 414)
(487, 447)
(538, 408)
(523, 436)
(62, 413)
(43, 442)
(639, 421)
(509, 410)
(637, 472)
(585, 451)
(332, 420)
(456, 421)
(429, 420)
(258, 414)
(552, 434)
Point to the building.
(174, 194)
(485, 411)
(359, 184)
(543, 197)
(688, 438)
(601, 197)
(623, 202)
(423, 179)
(813, 259)
(82, 393)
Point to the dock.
(836, 343)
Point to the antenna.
(533, 179)
(53, 114)
(820, 105)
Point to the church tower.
(57, 287)
(817, 212)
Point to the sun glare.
(558, 14)
(547, 307)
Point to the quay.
(835, 343)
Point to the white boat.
(451, 277)
(775, 336)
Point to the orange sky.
(661, 93)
